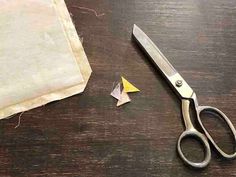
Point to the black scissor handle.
(210, 109)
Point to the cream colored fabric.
(41, 56)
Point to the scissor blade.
(152, 50)
(174, 78)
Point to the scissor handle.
(191, 132)
(210, 109)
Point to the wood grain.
(87, 135)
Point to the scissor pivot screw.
(179, 83)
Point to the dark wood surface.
(88, 136)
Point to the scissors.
(186, 95)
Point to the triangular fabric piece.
(128, 87)
(116, 93)
(124, 98)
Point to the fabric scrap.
(124, 98)
(128, 87)
(116, 93)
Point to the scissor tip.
(135, 28)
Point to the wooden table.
(88, 136)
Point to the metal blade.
(155, 54)
(174, 78)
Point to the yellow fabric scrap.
(128, 87)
